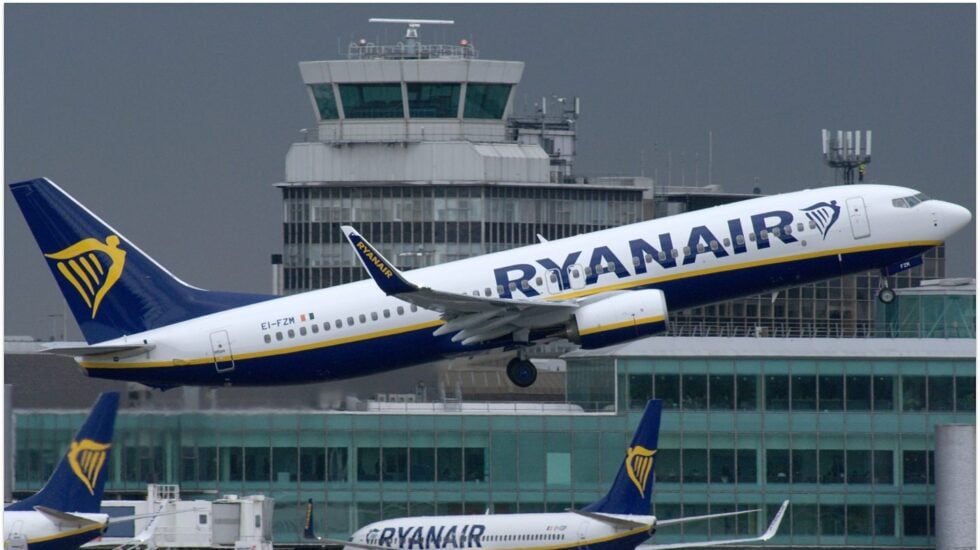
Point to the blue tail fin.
(112, 287)
(76, 484)
(631, 491)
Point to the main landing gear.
(521, 372)
(885, 294)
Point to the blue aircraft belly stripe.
(385, 350)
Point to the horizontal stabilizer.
(124, 350)
(610, 520)
(63, 517)
(770, 533)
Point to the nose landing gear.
(521, 372)
(885, 294)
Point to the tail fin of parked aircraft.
(112, 287)
(630, 492)
(76, 484)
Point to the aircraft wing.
(474, 318)
(768, 534)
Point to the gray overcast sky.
(172, 121)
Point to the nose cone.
(951, 217)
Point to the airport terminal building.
(843, 428)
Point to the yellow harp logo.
(92, 267)
(639, 464)
(86, 458)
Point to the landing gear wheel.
(521, 372)
(886, 295)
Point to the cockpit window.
(910, 201)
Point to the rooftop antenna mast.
(843, 153)
(412, 32)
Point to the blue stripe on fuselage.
(390, 352)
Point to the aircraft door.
(860, 227)
(553, 281)
(576, 277)
(221, 351)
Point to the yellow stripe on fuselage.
(584, 543)
(564, 296)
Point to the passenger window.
(775, 231)
(599, 270)
(799, 226)
(687, 250)
(714, 245)
(414, 308)
(740, 240)
(500, 289)
(386, 313)
(648, 258)
(662, 255)
(486, 291)
(700, 248)
(267, 338)
(813, 224)
(673, 252)
(764, 235)
(575, 273)
(315, 328)
(400, 310)
(588, 271)
(350, 321)
(752, 237)
(339, 323)
(788, 230)
(302, 331)
(279, 336)
(636, 261)
(553, 278)
(524, 285)
(374, 315)
(362, 318)
(538, 281)
(611, 266)
(513, 286)
(291, 333)
(727, 242)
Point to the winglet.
(384, 273)
(774, 526)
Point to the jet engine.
(619, 318)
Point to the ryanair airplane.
(64, 514)
(143, 324)
(621, 520)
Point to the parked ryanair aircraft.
(619, 521)
(64, 514)
(143, 324)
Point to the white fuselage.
(697, 257)
(544, 530)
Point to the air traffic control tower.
(416, 147)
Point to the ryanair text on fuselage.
(762, 224)
(418, 537)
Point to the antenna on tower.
(843, 152)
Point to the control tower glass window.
(326, 104)
(486, 100)
(433, 100)
(372, 100)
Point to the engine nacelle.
(619, 318)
